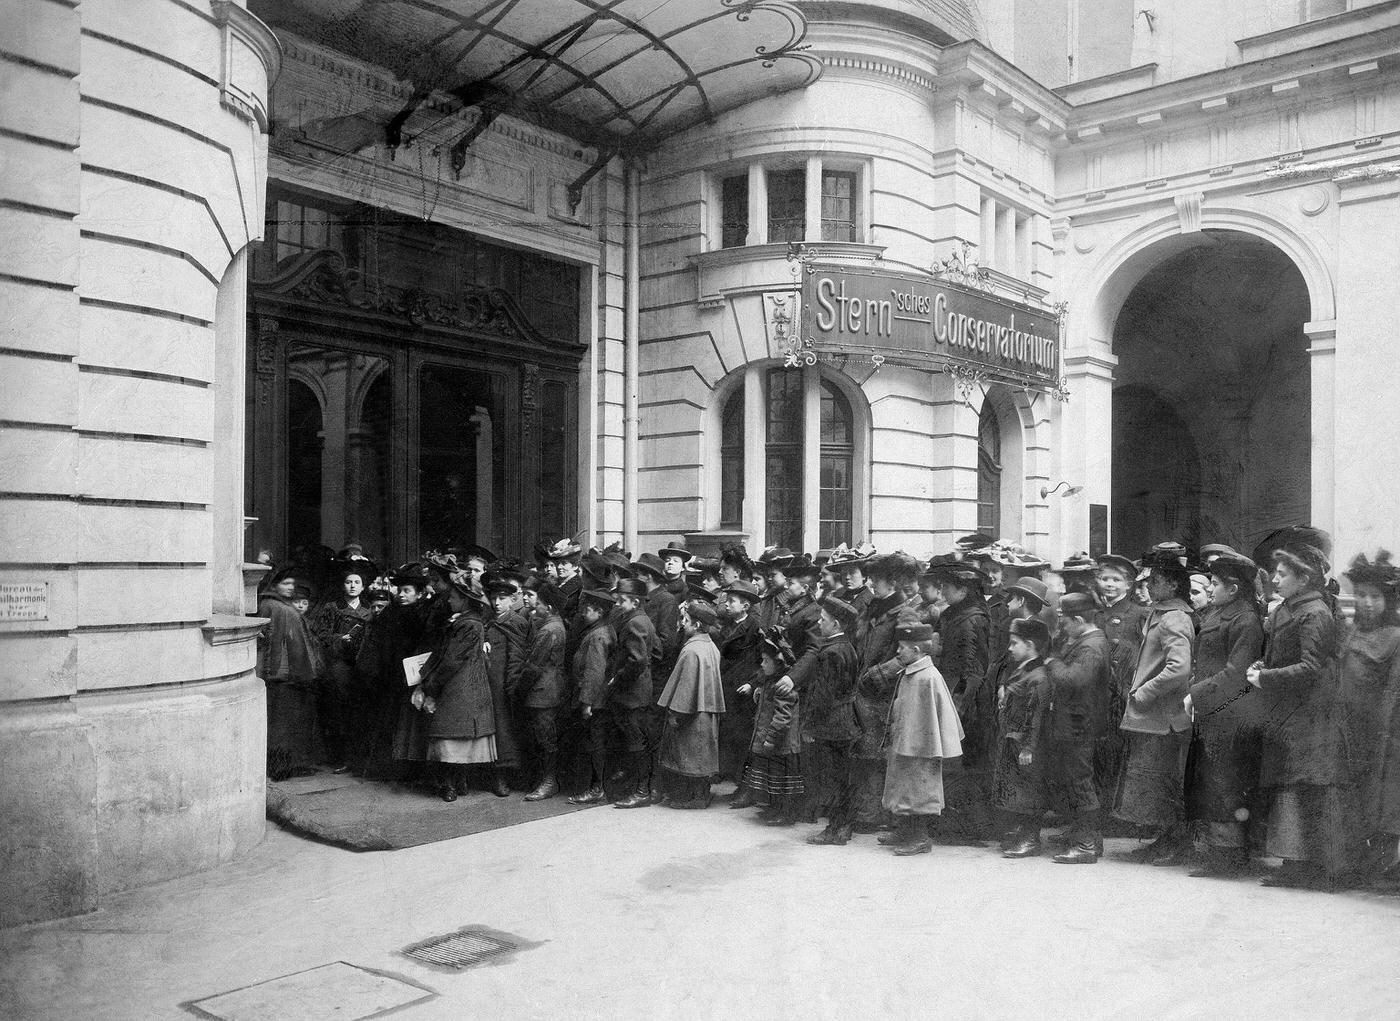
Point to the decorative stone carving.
(1313, 201)
(1188, 211)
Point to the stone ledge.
(230, 628)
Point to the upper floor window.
(301, 228)
(734, 211)
(838, 213)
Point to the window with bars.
(734, 211)
(838, 205)
(787, 206)
(731, 462)
(988, 471)
(783, 458)
(837, 457)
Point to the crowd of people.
(1219, 707)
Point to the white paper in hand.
(413, 668)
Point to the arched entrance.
(1211, 397)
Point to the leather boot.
(902, 833)
(920, 837)
(743, 798)
(548, 788)
(1026, 844)
(833, 836)
(499, 786)
(641, 785)
(593, 796)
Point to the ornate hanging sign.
(914, 319)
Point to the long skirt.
(463, 750)
(775, 775)
(1067, 768)
(913, 786)
(1150, 791)
(1223, 773)
(291, 727)
(411, 735)
(690, 745)
(1017, 788)
(1310, 823)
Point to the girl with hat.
(1225, 768)
(774, 768)
(1159, 729)
(1369, 679)
(339, 625)
(693, 701)
(289, 662)
(455, 692)
(1301, 767)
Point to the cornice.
(254, 31)
(879, 68)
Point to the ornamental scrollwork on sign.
(962, 268)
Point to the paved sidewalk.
(663, 914)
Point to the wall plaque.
(24, 600)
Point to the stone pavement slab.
(660, 914)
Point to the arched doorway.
(1211, 399)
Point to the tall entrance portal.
(1211, 398)
(411, 387)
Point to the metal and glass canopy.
(618, 75)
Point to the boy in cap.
(630, 694)
(588, 673)
(923, 731)
(542, 688)
(693, 701)
(1017, 787)
(505, 634)
(738, 652)
(1079, 674)
(830, 729)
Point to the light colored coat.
(1156, 703)
(923, 719)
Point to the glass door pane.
(461, 458)
(337, 441)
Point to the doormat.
(332, 992)
(372, 815)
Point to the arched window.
(837, 457)
(731, 461)
(988, 471)
(783, 450)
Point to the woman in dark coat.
(455, 691)
(1369, 683)
(339, 625)
(1301, 766)
(1226, 708)
(289, 663)
(964, 632)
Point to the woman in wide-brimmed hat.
(1301, 766)
(1226, 709)
(289, 662)
(1369, 683)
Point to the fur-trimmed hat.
(843, 611)
(1380, 572)
(916, 632)
(898, 567)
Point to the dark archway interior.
(1211, 404)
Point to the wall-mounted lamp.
(1069, 490)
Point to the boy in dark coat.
(505, 635)
(1079, 675)
(829, 725)
(588, 675)
(738, 652)
(1017, 785)
(630, 696)
(542, 689)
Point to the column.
(1322, 351)
(758, 205)
(485, 476)
(755, 457)
(987, 252)
(1086, 447)
(812, 229)
(811, 456)
(1006, 240)
(336, 379)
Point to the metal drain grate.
(461, 949)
